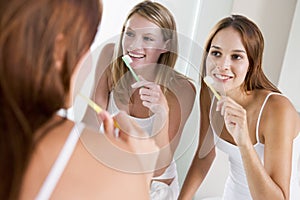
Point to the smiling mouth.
(136, 56)
(223, 77)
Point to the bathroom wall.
(289, 80)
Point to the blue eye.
(129, 34)
(148, 39)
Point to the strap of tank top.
(60, 163)
(260, 113)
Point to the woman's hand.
(152, 96)
(235, 118)
(129, 137)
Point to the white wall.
(289, 81)
(114, 15)
(274, 18)
(185, 14)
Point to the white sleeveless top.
(236, 186)
(145, 123)
(171, 172)
(60, 163)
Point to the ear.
(59, 50)
(167, 46)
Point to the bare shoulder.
(280, 114)
(184, 82)
(105, 59)
(95, 151)
(182, 85)
(280, 104)
(103, 70)
(108, 49)
(106, 55)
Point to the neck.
(240, 96)
(68, 102)
(148, 72)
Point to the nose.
(224, 64)
(136, 43)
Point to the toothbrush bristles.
(127, 61)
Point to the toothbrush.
(95, 107)
(92, 104)
(127, 61)
(209, 81)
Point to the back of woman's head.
(32, 86)
(253, 42)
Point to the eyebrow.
(150, 34)
(236, 50)
(145, 33)
(128, 28)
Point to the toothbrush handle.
(215, 92)
(134, 74)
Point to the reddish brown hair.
(253, 42)
(32, 89)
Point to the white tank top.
(236, 186)
(147, 125)
(159, 190)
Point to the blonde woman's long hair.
(162, 17)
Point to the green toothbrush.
(127, 61)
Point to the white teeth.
(222, 77)
(136, 55)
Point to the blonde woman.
(161, 100)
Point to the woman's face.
(142, 41)
(227, 61)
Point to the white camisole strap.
(60, 163)
(260, 113)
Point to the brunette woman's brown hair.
(253, 42)
(32, 88)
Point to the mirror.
(194, 20)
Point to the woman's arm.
(268, 180)
(205, 153)
(102, 80)
(272, 180)
(101, 86)
(153, 98)
(181, 102)
(172, 112)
